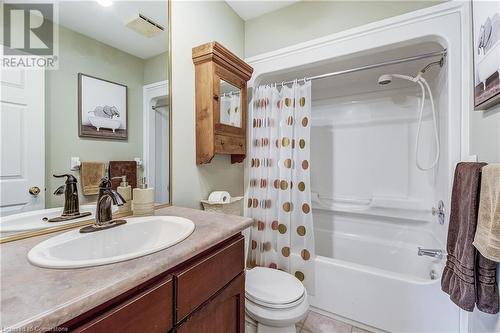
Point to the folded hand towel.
(487, 239)
(123, 168)
(90, 176)
(468, 277)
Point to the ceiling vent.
(145, 26)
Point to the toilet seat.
(273, 288)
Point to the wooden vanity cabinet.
(217, 68)
(205, 294)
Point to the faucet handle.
(105, 183)
(70, 179)
(60, 190)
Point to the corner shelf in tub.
(397, 208)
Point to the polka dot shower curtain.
(279, 193)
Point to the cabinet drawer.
(150, 311)
(226, 144)
(199, 282)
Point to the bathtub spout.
(435, 253)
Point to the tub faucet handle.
(439, 212)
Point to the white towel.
(487, 237)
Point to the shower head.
(385, 79)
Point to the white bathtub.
(368, 271)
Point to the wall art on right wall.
(486, 37)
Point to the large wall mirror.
(102, 110)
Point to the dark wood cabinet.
(224, 313)
(149, 311)
(204, 294)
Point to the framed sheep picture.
(486, 34)
(102, 108)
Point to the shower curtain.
(279, 193)
(230, 106)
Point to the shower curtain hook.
(282, 84)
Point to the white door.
(22, 145)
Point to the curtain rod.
(441, 53)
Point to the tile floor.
(317, 323)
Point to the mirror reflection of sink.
(36, 220)
(138, 237)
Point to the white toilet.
(274, 301)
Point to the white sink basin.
(34, 220)
(138, 237)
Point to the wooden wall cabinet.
(205, 294)
(221, 103)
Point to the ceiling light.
(105, 3)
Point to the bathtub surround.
(469, 278)
(388, 240)
(279, 192)
(487, 238)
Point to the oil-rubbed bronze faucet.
(71, 205)
(103, 214)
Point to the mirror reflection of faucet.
(103, 215)
(71, 205)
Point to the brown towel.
(90, 176)
(468, 277)
(487, 239)
(123, 168)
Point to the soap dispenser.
(143, 199)
(125, 191)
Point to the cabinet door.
(224, 313)
(201, 281)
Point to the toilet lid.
(272, 286)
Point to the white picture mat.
(97, 92)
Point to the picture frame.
(102, 108)
(486, 48)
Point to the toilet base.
(253, 327)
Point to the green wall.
(307, 20)
(78, 53)
(195, 23)
(156, 68)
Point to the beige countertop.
(34, 297)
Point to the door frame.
(151, 91)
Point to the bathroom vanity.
(195, 286)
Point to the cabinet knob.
(216, 97)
